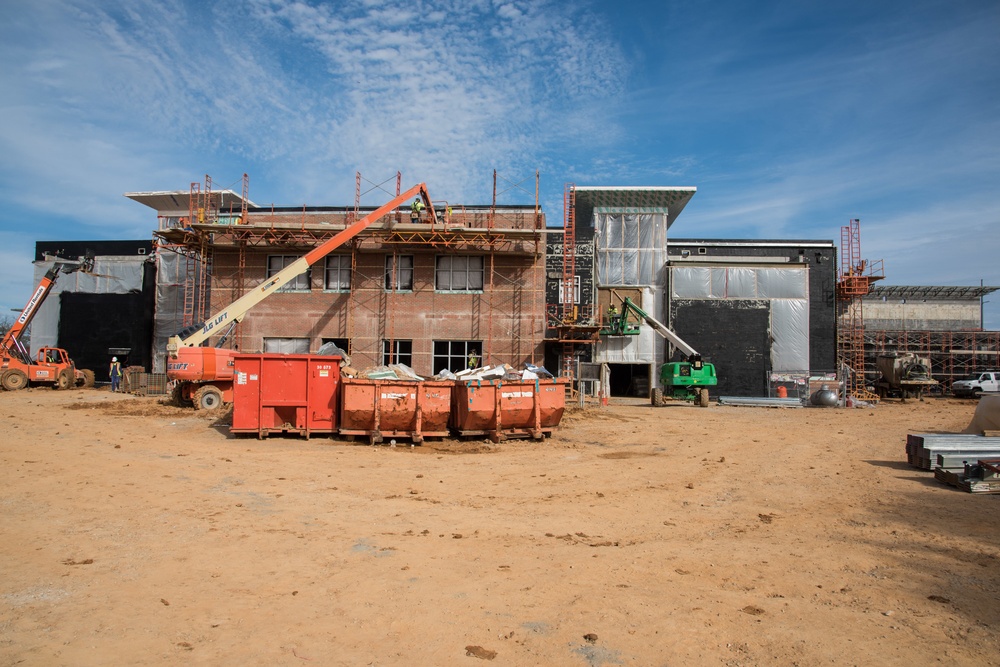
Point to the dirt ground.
(136, 533)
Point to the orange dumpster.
(292, 393)
(394, 408)
(503, 410)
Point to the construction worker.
(415, 209)
(116, 373)
(473, 360)
(613, 315)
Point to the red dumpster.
(394, 408)
(293, 393)
(502, 410)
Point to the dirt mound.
(149, 407)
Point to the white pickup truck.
(976, 384)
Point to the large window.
(337, 276)
(276, 263)
(454, 354)
(403, 270)
(287, 345)
(459, 273)
(397, 352)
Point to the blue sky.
(790, 118)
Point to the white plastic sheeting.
(789, 334)
(645, 348)
(286, 345)
(739, 282)
(112, 274)
(631, 248)
(786, 288)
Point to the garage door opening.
(629, 380)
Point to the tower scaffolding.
(854, 281)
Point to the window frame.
(576, 290)
(453, 355)
(300, 283)
(400, 271)
(286, 339)
(449, 271)
(341, 270)
(401, 352)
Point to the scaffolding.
(575, 324)
(508, 316)
(854, 280)
(953, 354)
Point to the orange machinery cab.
(202, 364)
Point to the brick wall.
(507, 316)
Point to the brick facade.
(505, 317)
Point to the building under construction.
(942, 323)
(759, 310)
(494, 282)
(427, 292)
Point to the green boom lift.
(686, 380)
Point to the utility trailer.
(903, 375)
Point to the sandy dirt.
(136, 533)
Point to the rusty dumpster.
(501, 410)
(394, 408)
(290, 393)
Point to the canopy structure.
(179, 200)
(940, 292)
(666, 199)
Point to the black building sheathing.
(732, 335)
(90, 324)
(75, 249)
(821, 258)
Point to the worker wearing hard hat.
(116, 374)
(415, 209)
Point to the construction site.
(422, 432)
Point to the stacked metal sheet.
(973, 478)
(761, 402)
(923, 449)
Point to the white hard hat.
(114, 358)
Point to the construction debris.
(504, 372)
(983, 476)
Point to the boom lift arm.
(236, 311)
(11, 344)
(620, 326)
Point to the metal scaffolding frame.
(953, 354)
(854, 280)
(495, 230)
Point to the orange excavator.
(203, 376)
(52, 365)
